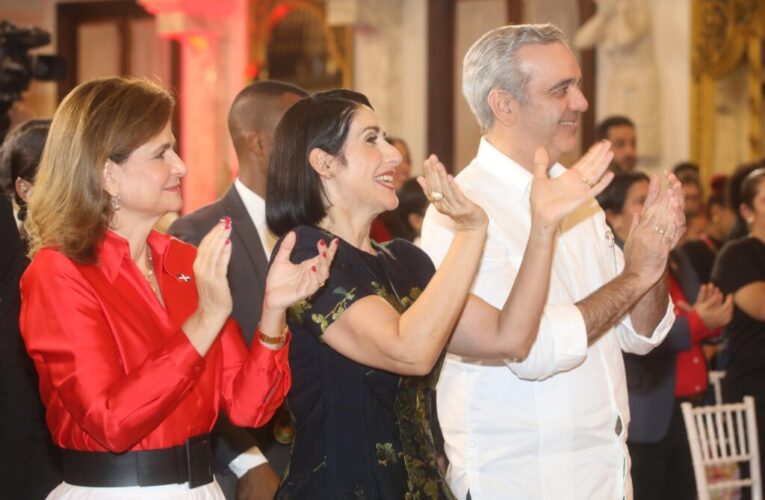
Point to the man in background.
(257, 457)
(620, 132)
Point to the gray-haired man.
(545, 416)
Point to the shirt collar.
(255, 205)
(115, 250)
(501, 166)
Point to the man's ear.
(256, 144)
(502, 105)
(108, 179)
(322, 162)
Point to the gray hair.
(492, 63)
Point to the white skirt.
(210, 491)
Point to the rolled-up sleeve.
(632, 342)
(561, 344)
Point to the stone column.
(213, 59)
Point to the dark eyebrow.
(562, 84)
(373, 128)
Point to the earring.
(115, 202)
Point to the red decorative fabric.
(691, 369)
(379, 232)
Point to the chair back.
(715, 380)
(720, 435)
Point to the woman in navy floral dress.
(366, 346)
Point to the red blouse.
(117, 372)
(691, 369)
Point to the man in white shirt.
(252, 120)
(545, 417)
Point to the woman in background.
(740, 270)
(30, 466)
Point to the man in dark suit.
(252, 119)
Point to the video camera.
(18, 67)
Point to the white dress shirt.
(544, 428)
(256, 208)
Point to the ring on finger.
(587, 181)
(322, 283)
(660, 230)
(435, 196)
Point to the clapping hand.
(444, 193)
(210, 267)
(288, 283)
(714, 309)
(554, 198)
(656, 230)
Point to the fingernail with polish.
(323, 254)
(322, 244)
(228, 241)
(313, 268)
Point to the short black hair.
(615, 195)
(686, 170)
(294, 193)
(263, 89)
(601, 131)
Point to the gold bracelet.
(273, 341)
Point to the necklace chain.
(149, 275)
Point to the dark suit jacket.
(651, 378)
(247, 272)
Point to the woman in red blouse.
(129, 328)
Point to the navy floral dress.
(361, 433)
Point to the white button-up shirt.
(256, 209)
(544, 428)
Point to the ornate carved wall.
(726, 107)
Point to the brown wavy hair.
(100, 120)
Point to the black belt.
(191, 462)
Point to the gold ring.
(435, 196)
(660, 230)
(587, 181)
(322, 283)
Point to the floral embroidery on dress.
(296, 312)
(386, 454)
(399, 459)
